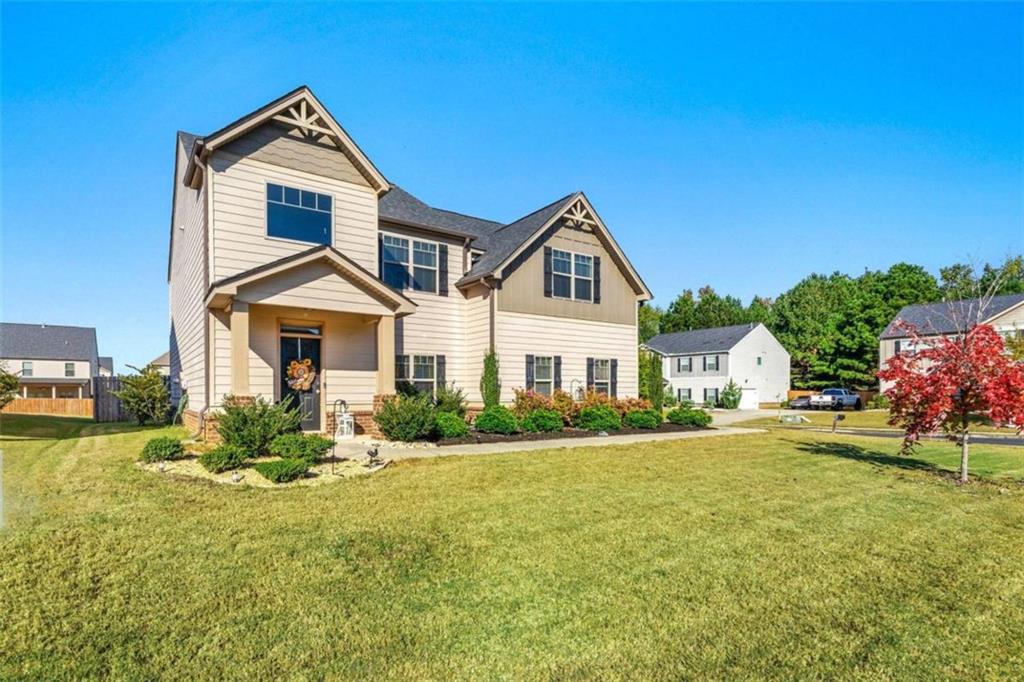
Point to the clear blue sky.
(737, 145)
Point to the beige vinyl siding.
(289, 148)
(48, 369)
(523, 290)
(477, 340)
(1011, 319)
(519, 335)
(317, 286)
(239, 239)
(187, 288)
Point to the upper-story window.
(26, 369)
(684, 364)
(572, 275)
(69, 369)
(710, 363)
(409, 263)
(298, 214)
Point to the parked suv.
(836, 399)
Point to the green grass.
(790, 554)
(866, 419)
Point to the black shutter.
(547, 272)
(442, 269)
(558, 372)
(590, 374)
(705, 360)
(439, 364)
(614, 388)
(380, 256)
(530, 376)
(597, 279)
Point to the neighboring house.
(162, 363)
(51, 361)
(697, 364)
(106, 366)
(948, 318)
(288, 245)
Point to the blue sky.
(738, 145)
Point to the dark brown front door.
(300, 356)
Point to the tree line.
(830, 324)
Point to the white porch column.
(24, 392)
(53, 392)
(240, 348)
(79, 391)
(386, 356)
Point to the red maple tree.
(952, 383)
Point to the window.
(26, 369)
(544, 374)
(711, 396)
(418, 370)
(710, 363)
(603, 376)
(684, 364)
(69, 369)
(683, 395)
(298, 214)
(572, 275)
(397, 266)
(301, 329)
(760, 361)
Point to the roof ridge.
(542, 208)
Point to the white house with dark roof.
(51, 361)
(697, 364)
(947, 318)
(290, 253)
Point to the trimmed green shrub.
(526, 401)
(643, 419)
(144, 395)
(496, 419)
(253, 425)
(448, 398)
(451, 425)
(490, 382)
(407, 389)
(879, 402)
(599, 418)
(406, 418)
(282, 470)
(159, 449)
(309, 447)
(223, 458)
(9, 384)
(731, 396)
(689, 417)
(543, 421)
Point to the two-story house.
(50, 361)
(948, 318)
(697, 364)
(297, 269)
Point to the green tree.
(759, 310)
(713, 310)
(8, 386)
(679, 317)
(144, 395)
(648, 322)
(490, 380)
(651, 382)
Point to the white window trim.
(572, 276)
(689, 364)
(66, 367)
(410, 369)
(608, 381)
(550, 381)
(266, 219)
(27, 366)
(707, 365)
(679, 394)
(411, 264)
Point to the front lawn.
(791, 554)
(865, 419)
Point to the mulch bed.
(474, 437)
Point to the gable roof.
(162, 360)
(48, 342)
(949, 317)
(107, 362)
(398, 206)
(714, 340)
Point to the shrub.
(407, 389)
(144, 395)
(252, 425)
(282, 470)
(651, 381)
(669, 399)
(9, 384)
(731, 396)
(627, 405)
(689, 417)
(496, 419)
(490, 381)
(879, 402)
(309, 447)
(594, 399)
(562, 403)
(643, 419)
(599, 418)
(159, 449)
(526, 401)
(451, 425)
(406, 418)
(223, 458)
(450, 399)
(544, 421)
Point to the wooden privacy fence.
(63, 407)
(108, 405)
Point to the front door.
(300, 377)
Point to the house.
(697, 364)
(296, 268)
(51, 361)
(162, 363)
(948, 318)
(106, 366)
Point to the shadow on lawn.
(22, 427)
(862, 454)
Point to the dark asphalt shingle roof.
(715, 340)
(48, 342)
(107, 363)
(398, 205)
(163, 360)
(948, 317)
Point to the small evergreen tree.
(144, 395)
(8, 387)
(652, 379)
(731, 396)
(490, 382)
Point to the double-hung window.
(69, 369)
(683, 394)
(572, 275)
(26, 369)
(710, 363)
(298, 214)
(409, 263)
(603, 376)
(583, 278)
(561, 278)
(684, 364)
(544, 374)
(711, 396)
(418, 370)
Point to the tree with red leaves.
(952, 383)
